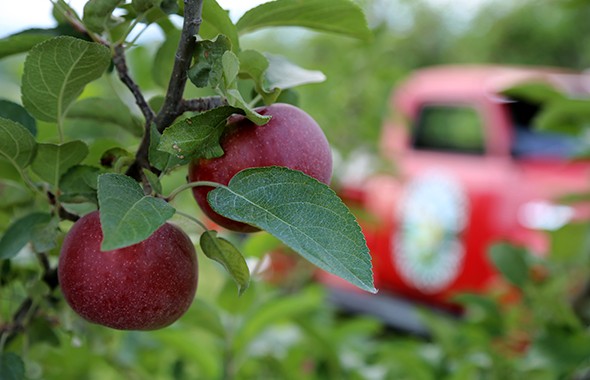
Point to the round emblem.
(426, 248)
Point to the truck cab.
(470, 170)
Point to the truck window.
(530, 142)
(457, 129)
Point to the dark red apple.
(145, 286)
(291, 138)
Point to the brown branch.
(184, 53)
(201, 104)
(172, 107)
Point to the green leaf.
(22, 42)
(216, 21)
(110, 110)
(12, 366)
(144, 5)
(206, 316)
(335, 16)
(197, 136)
(53, 160)
(283, 74)
(154, 181)
(21, 232)
(97, 14)
(208, 71)
(16, 112)
(52, 80)
(127, 216)
(511, 262)
(17, 145)
(13, 194)
(159, 159)
(537, 92)
(235, 99)
(303, 213)
(78, 185)
(224, 252)
(253, 64)
(164, 59)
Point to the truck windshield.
(530, 142)
(449, 128)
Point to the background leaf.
(511, 262)
(224, 252)
(304, 214)
(79, 184)
(12, 366)
(53, 160)
(52, 80)
(16, 112)
(21, 232)
(17, 144)
(127, 216)
(110, 110)
(197, 136)
(336, 16)
(283, 74)
(164, 59)
(216, 21)
(13, 194)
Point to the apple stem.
(190, 185)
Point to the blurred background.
(285, 329)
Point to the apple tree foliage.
(46, 183)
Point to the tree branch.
(172, 107)
(186, 46)
(201, 104)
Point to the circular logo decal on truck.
(426, 248)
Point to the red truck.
(470, 171)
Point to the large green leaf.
(197, 136)
(335, 16)
(127, 216)
(16, 112)
(54, 160)
(224, 252)
(303, 213)
(55, 73)
(17, 145)
(105, 110)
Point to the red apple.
(145, 286)
(291, 138)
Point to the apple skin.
(291, 139)
(145, 286)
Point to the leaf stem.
(190, 217)
(190, 185)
